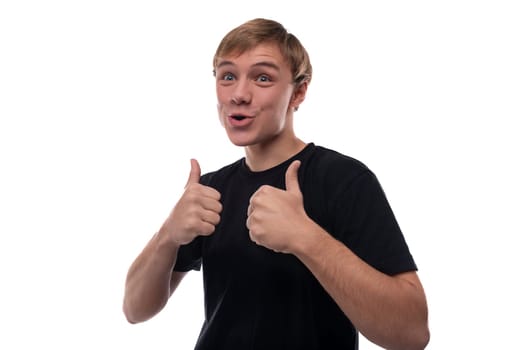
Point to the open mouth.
(240, 120)
(238, 117)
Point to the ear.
(298, 95)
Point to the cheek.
(280, 105)
(222, 93)
(220, 113)
(280, 99)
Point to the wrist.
(311, 238)
(165, 240)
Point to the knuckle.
(191, 187)
(207, 229)
(190, 223)
(255, 200)
(190, 197)
(216, 219)
(264, 189)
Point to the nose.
(241, 93)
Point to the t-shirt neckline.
(300, 155)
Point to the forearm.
(148, 280)
(390, 311)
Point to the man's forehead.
(263, 54)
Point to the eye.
(228, 76)
(263, 78)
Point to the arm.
(151, 279)
(390, 311)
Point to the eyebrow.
(258, 64)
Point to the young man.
(298, 244)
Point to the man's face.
(254, 91)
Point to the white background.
(102, 103)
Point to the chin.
(241, 143)
(239, 139)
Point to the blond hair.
(261, 31)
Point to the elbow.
(420, 340)
(408, 338)
(424, 339)
(130, 319)
(420, 334)
(134, 314)
(128, 313)
(417, 338)
(137, 312)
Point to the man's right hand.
(196, 213)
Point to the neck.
(261, 157)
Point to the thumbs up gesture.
(196, 213)
(276, 218)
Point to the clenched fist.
(276, 218)
(196, 213)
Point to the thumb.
(195, 172)
(291, 180)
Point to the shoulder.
(214, 177)
(334, 167)
(331, 182)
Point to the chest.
(230, 252)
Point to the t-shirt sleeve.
(367, 225)
(189, 256)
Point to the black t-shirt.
(258, 299)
